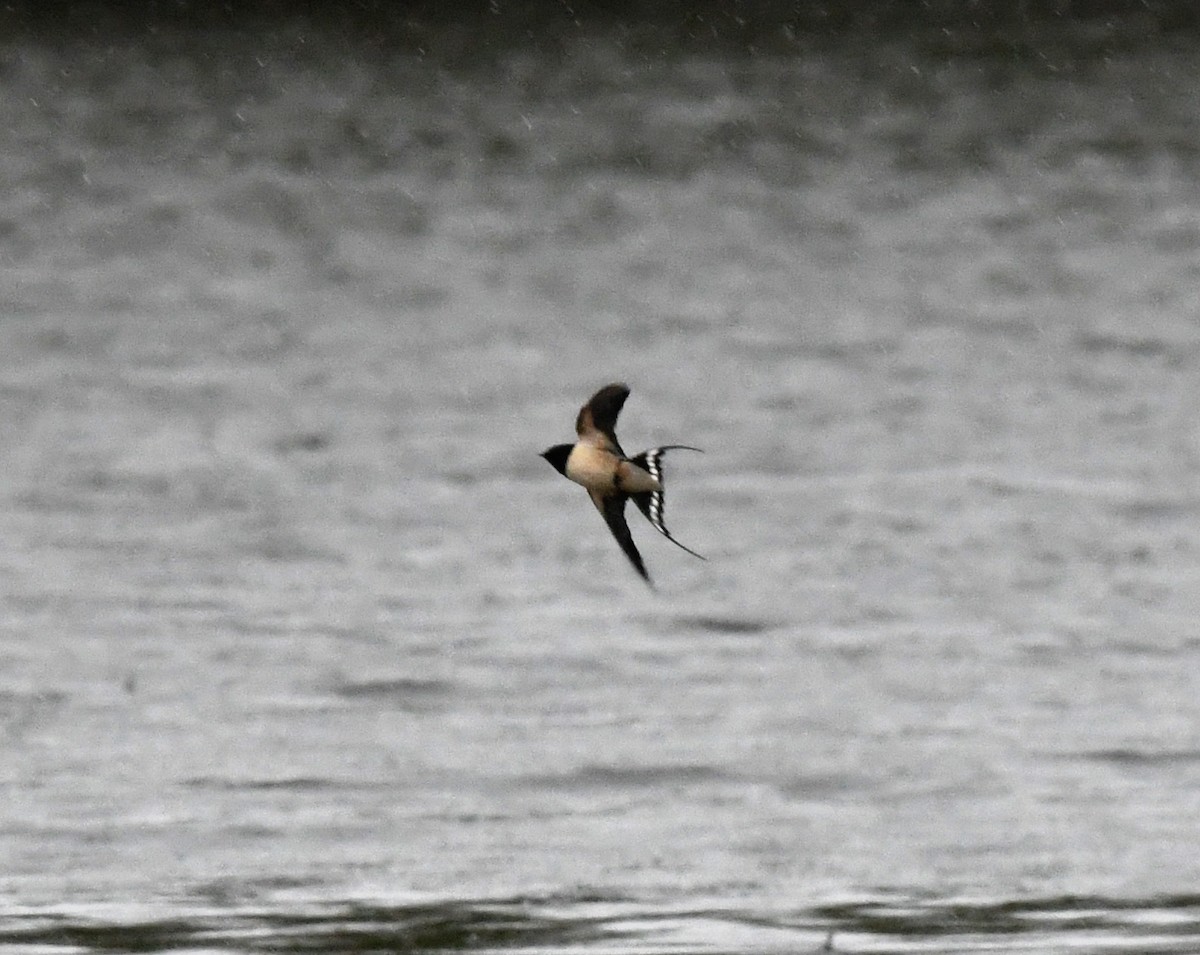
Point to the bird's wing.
(597, 420)
(612, 506)
(653, 503)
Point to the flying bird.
(597, 462)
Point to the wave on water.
(596, 923)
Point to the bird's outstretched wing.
(612, 506)
(597, 420)
(653, 503)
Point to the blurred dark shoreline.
(1013, 27)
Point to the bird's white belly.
(604, 472)
(592, 467)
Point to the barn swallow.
(597, 462)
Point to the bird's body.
(604, 472)
(597, 463)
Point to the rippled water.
(303, 648)
(589, 924)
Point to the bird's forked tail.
(652, 503)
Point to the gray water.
(303, 648)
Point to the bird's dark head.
(557, 456)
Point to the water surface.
(304, 649)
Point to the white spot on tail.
(654, 466)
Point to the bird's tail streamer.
(653, 503)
